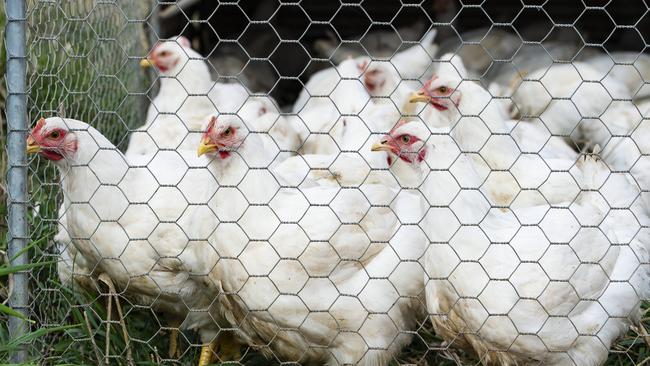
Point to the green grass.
(78, 76)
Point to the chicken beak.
(418, 97)
(145, 63)
(206, 146)
(32, 146)
(381, 146)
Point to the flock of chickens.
(396, 190)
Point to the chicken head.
(440, 92)
(407, 141)
(52, 140)
(170, 55)
(222, 137)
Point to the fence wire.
(377, 183)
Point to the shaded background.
(284, 47)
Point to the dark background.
(280, 37)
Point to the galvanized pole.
(18, 234)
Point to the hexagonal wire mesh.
(461, 182)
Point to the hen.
(540, 285)
(324, 307)
(344, 118)
(630, 68)
(411, 63)
(391, 80)
(129, 221)
(561, 95)
(517, 165)
(187, 95)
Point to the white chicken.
(73, 268)
(385, 84)
(481, 47)
(391, 80)
(622, 133)
(559, 291)
(323, 307)
(345, 119)
(187, 95)
(411, 63)
(630, 68)
(129, 221)
(518, 164)
(594, 107)
(560, 96)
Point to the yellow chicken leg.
(173, 343)
(207, 351)
(174, 352)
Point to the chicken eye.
(227, 132)
(443, 89)
(55, 134)
(406, 139)
(164, 54)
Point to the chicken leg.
(174, 351)
(226, 347)
(207, 353)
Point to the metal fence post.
(18, 234)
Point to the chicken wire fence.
(431, 182)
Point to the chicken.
(277, 303)
(377, 43)
(515, 294)
(560, 96)
(499, 44)
(338, 86)
(594, 108)
(621, 133)
(518, 164)
(619, 129)
(415, 61)
(187, 95)
(286, 133)
(113, 213)
(344, 120)
(630, 68)
(387, 85)
(411, 63)
(73, 268)
(339, 138)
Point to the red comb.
(183, 42)
(211, 124)
(428, 83)
(362, 66)
(39, 126)
(398, 125)
(155, 46)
